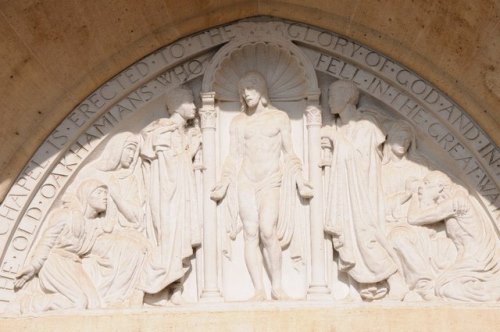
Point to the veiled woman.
(62, 281)
(423, 252)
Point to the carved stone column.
(318, 289)
(208, 117)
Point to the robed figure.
(355, 214)
(167, 152)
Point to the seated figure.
(62, 281)
(474, 276)
(423, 251)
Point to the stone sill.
(268, 316)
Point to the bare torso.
(260, 138)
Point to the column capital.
(313, 115)
(208, 115)
(313, 110)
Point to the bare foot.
(258, 296)
(279, 294)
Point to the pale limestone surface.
(54, 56)
(265, 317)
(138, 140)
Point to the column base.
(319, 293)
(211, 296)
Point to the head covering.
(177, 96)
(411, 153)
(110, 159)
(86, 188)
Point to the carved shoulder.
(282, 117)
(237, 121)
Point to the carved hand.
(460, 204)
(219, 191)
(326, 143)
(305, 189)
(24, 276)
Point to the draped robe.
(355, 214)
(169, 177)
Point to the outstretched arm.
(418, 215)
(42, 250)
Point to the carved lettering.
(34, 213)
(105, 92)
(59, 137)
(7, 212)
(48, 190)
(491, 154)
(20, 243)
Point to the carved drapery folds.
(261, 160)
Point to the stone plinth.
(269, 317)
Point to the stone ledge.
(269, 316)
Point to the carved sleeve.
(48, 240)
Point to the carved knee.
(251, 233)
(268, 236)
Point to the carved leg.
(253, 255)
(268, 217)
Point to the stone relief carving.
(78, 232)
(355, 212)
(475, 274)
(167, 153)
(134, 215)
(423, 252)
(257, 187)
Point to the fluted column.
(318, 288)
(208, 116)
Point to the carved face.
(253, 89)
(128, 156)
(98, 199)
(338, 100)
(399, 141)
(187, 110)
(251, 96)
(430, 190)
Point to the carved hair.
(254, 80)
(175, 97)
(86, 188)
(348, 87)
(402, 127)
(440, 178)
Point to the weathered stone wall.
(55, 53)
